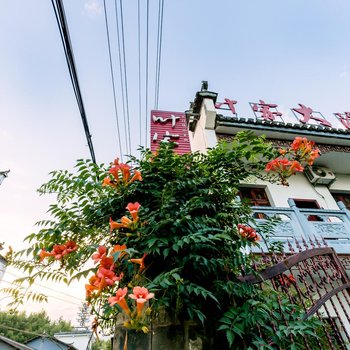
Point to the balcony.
(328, 227)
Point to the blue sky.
(285, 52)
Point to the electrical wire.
(146, 88)
(50, 295)
(46, 287)
(139, 62)
(113, 83)
(121, 74)
(67, 45)
(125, 75)
(159, 52)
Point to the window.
(306, 203)
(342, 197)
(254, 196)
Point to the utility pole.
(3, 174)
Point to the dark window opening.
(342, 197)
(306, 203)
(254, 196)
(314, 218)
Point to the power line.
(159, 52)
(67, 45)
(139, 62)
(113, 84)
(121, 74)
(125, 75)
(46, 287)
(50, 295)
(146, 93)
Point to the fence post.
(344, 209)
(306, 228)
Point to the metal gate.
(311, 275)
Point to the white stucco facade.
(205, 136)
(79, 339)
(314, 208)
(299, 188)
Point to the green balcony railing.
(328, 227)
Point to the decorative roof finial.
(204, 85)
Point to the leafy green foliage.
(101, 345)
(188, 229)
(21, 327)
(266, 319)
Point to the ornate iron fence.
(311, 275)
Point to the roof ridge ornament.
(204, 86)
(3, 174)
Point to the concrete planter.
(164, 335)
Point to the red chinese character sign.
(344, 118)
(230, 104)
(170, 127)
(308, 114)
(266, 111)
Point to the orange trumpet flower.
(120, 300)
(140, 261)
(134, 210)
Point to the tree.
(21, 327)
(177, 235)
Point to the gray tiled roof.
(14, 344)
(279, 125)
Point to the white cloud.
(93, 8)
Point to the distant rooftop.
(74, 332)
(14, 344)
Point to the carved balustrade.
(331, 227)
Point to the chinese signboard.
(308, 114)
(266, 111)
(169, 127)
(344, 118)
(269, 112)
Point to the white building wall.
(79, 341)
(341, 184)
(299, 188)
(204, 136)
